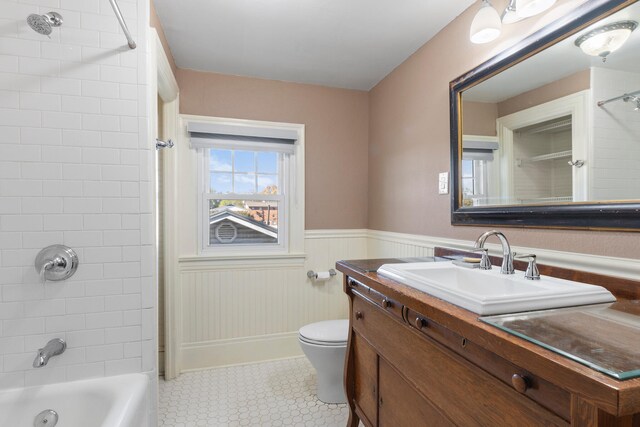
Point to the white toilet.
(325, 344)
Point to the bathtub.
(119, 401)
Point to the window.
(477, 167)
(474, 180)
(251, 184)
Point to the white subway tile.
(118, 74)
(9, 117)
(10, 170)
(85, 338)
(8, 277)
(124, 366)
(40, 67)
(132, 286)
(40, 239)
(124, 270)
(10, 310)
(17, 362)
(120, 140)
(81, 172)
(132, 349)
(85, 371)
(122, 302)
(20, 187)
(88, 271)
(147, 229)
(103, 254)
(85, 305)
(9, 99)
(21, 223)
(103, 320)
(8, 64)
(128, 91)
(102, 222)
(148, 322)
(82, 239)
(9, 345)
(81, 138)
(119, 107)
(91, 21)
(103, 156)
(67, 289)
(128, 124)
(130, 222)
(30, 292)
(80, 104)
(41, 136)
(39, 101)
(97, 55)
(120, 173)
(71, 322)
(52, 375)
(41, 205)
(149, 355)
(132, 317)
(60, 86)
(100, 89)
(101, 189)
(62, 222)
(63, 52)
(10, 240)
(100, 122)
(55, 307)
(63, 188)
(10, 205)
(18, 257)
(123, 206)
(41, 170)
(82, 205)
(59, 120)
(19, 82)
(80, 37)
(147, 292)
(122, 238)
(18, 47)
(123, 334)
(25, 326)
(61, 154)
(19, 153)
(10, 135)
(104, 287)
(101, 353)
(81, 5)
(80, 70)
(130, 189)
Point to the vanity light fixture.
(528, 8)
(509, 16)
(486, 25)
(603, 40)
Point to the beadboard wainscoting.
(235, 312)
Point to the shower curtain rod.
(116, 9)
(626, 95)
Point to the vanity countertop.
(610, 394)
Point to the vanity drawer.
(387, 304)
(541, 391)
(444, 378)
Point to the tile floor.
(278, 393)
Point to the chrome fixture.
(44, 24)
(53, 348)
(627, 97)
(507, 256)
(486, 25)
(56, 262)
(576, 163)
(608, 38)
(163, 144)
(116, 10)
(509, 15)
(531, 273)
(313, 275)
(48, 418)
(485, 262)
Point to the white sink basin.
(489, 292)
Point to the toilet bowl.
(325, 344)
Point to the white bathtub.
(119, 401)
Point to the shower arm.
(626, 95)
(116, 9)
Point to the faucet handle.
(531, 272)
(485, 262)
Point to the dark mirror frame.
(598, 216)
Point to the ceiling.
(340, 43)
(558, 61)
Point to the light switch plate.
(443, 183)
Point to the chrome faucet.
(53, 348)
(507, 255)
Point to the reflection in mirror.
(559, 127)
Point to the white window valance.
(479, 148)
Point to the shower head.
(43, 24)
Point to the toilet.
(325, 345)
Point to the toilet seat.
(329, 333)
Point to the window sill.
(207, 262)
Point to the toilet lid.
(329, 331)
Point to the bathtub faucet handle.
(53, 348)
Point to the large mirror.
(547, 133)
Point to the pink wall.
(337, 135)
(479, 118)
(409, 143)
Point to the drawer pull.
(386, 303)
(359, 315)
(420, 322)
(353, 283)
(520, 383)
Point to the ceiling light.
(606, 39)
(528, 8)
(486, 25)
(509, 16)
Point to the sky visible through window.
(243, 172)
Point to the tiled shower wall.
(76, 168)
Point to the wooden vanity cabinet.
(405, 369)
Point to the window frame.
(290, 224)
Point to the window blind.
(473, 149)
(239, 137)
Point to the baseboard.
(239, 351)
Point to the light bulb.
(528, 8)
(486, 25)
